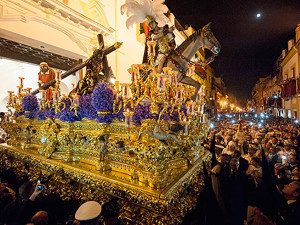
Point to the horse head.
(209, 41)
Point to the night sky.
(250, 45)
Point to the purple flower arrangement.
(30, 103)
(68, 116)
(86, 108)
(102, 97)
(142, 111)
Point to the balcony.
(273, 103)
(289, 88)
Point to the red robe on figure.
(45, 78)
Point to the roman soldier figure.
(46, 74)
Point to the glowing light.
(211, 126)
(255, 115)
(259, 125)
(296, 121)
(232, 121)
(251, 123)
(112, 80)
(258, 15)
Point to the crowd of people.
(24, 203)
(255, 169)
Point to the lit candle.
(21, 81)
(14, 100)
(186, 124)
(124, 91)
(76, 100)
(6, 118)
(43, 94)
(128, 118)
(173, 78)
(202, 108)
(199, 109)
(160, 83)
(128, 115)
(202, 89)
(132, 77)
(198, 99)
(19, 89)
(10, 96)
(136, 71)
(55, 95)
(58, 75)
(190, 108)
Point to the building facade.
(291, 80)
(279, 94)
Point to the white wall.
(11, 70)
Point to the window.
(293, 74)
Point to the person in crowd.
(88, 213)
(251, 153)
(237, 193)
(243, 163)
(296, 173)
(40, 218)
(255, 166)
(246, 144)
(282, 176)
(229, 150)
(219, 140)
(22, 209)
(291, 192)
(220, 181)
(293, 161)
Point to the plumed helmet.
(150, 19)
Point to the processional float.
(139, 142)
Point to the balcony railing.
(273, 103)
(289, 88)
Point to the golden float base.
(83, 181)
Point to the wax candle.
(75, 100)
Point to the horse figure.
(202, 38)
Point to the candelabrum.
(57, 103)
(15, 100)
(160, 89)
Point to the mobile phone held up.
(40, 186)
